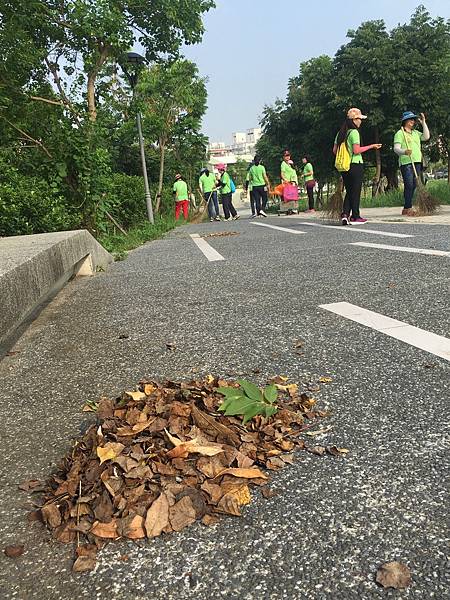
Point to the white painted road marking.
(279, 228)
(207, 250)
(402, 249)
(352, 228)
(419, 338)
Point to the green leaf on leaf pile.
(248, 400)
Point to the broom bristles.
(425, 203)
(333, 207)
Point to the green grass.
(119, 244)
(439, 189)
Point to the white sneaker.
(236, 217)
(262, 213)
(229, 219)
(253, 216)
(218, 218)
(212, 220)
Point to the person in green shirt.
(349, 133)
(310, 182)
(180, 192)
(207, 185)
(288, 173)
(224, 183)
(260, 184)
(407, 146)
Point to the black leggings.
(259, 197)
(310, 192)
(227, 205)
(353, 184)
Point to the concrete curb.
(33, 268)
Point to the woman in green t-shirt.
(310, 182)
(408, 147)
(349, 133)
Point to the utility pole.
(136, 60)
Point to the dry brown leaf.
(32, 485)
(136, 396)
(126, 431)
(105, 530)
(394, 575)
(213, 490)
(149, 388)
(131, 527)
(112, 484)
(325, 380)
(211, 466)
(210, 520)
(244, 473)
(267, 492)
(274, 463)
(229, 505)
(183, 449)
(14, 550)
(318, 450)
(109, 451)
(83, 564)
(213, 427)
(319, 431)
(182, 514)
(157, 516)
(51, 515)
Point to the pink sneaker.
(358, 220)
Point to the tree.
(173, 99)
(61, 54)
(380, 72)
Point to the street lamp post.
(136, 61)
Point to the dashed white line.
(357, 229)
(285, 229)
(414, 336)
(402, 249)
(210, 253)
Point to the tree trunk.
(162, 149)
(92, 77)
(91, 96)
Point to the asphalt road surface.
(334, 520)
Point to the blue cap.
(408, 115)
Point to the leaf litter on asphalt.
(163, 456)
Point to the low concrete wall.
(33, 268)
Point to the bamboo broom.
(425, 203)
(333, 207)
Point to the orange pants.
(182, 204)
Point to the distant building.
(241, 148)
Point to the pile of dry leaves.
(162, 457)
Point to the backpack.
(232, 186)
(343, 159)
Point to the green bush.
(31, 205)
(126, 199)
(118, 243)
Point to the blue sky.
(252, 47)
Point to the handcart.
(289, 199)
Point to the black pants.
(310, 192)
(260, 197)
(227, 205)
(353, 184)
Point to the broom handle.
(412, 162)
